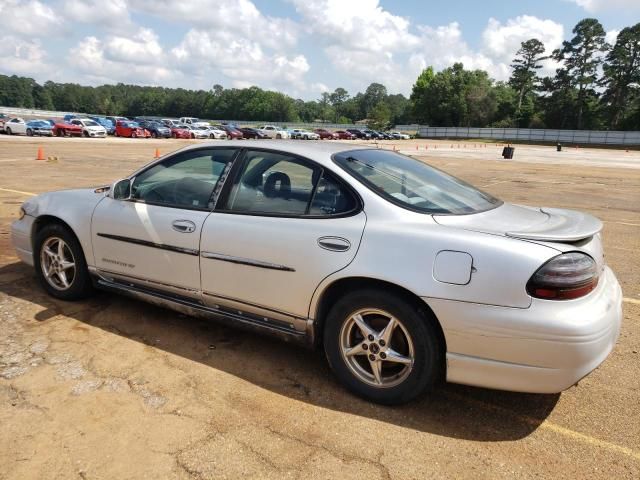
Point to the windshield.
(412, 184)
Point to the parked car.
(273, 131)
(359, 133)
(180, 132)
(63, 129)
(400, 136)
(170, 122)
(40, 128)
(115, 120)
(326, 134)
(344, 135)
(192, 121)
(386, 135)
(298, 242)
(156, 129)
(196, 132)
(3, 119)
(214, 132)
(373, 134)
(248, 132)
(108, 125)
(15, 126)
(232, 132)
(303, 134)
(69, 116)
(89, 127)
(131, 130)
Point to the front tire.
(381, 347)
(60, 264)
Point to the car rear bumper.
(21, 238)
(545, 348)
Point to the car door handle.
(183, 226)
(334, 244)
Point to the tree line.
(597, 86)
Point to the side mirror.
(121, 190)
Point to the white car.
(399, 136)
(196, 132)
(194, 122)
(15, 126)
(402, 273)
(304, 134)
(273, 131)
(213, 133)
(90, 128)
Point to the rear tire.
(8, 130)
(29, 132)
(389, 372)
(50, 271)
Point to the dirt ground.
(115, 388)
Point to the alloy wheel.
(57, 263)
(377, 348)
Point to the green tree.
(379, 117)
(337, 99)
(419, 95)
(621, 74)
(524, 77)
(581, 58)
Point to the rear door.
(154, 238)
(284, 224)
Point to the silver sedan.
(403, 274)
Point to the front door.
(154, 237)
(285, 225)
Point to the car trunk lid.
(528, 223)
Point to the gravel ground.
(115, 388)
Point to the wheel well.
(44, 220)
(341, 287)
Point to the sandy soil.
(114, 388)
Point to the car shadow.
(450, 410)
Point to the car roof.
(319, 152)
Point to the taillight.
(567, 276)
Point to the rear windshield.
(412, 184)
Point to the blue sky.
(301, 47)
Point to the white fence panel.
(592, 137)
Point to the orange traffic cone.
(40, 154)
(157, 153)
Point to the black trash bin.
(507, 152)
(559, 147)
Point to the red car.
(130, 129)
(178, 132)
(326, 134)
(63, 129)
(344, 135)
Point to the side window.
(272, 183)
(331, 197)
(186, 180)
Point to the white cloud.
(502, 41)
(143, 48)
(98, 61)
(612, 36)
(109, 14)
(29, 18)
(22, 57)
(357, 24)
(601, 5)
(239, 17)
(243, 61)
